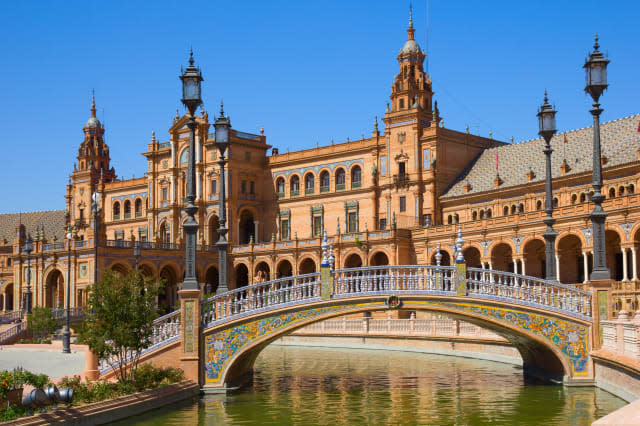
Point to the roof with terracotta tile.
(52, 220)
(620, 141)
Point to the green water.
(309, 386)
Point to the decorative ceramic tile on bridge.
(572, 339)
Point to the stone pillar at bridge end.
(190, 331)
(600, 308)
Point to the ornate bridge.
(549, 323)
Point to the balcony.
(400, 179)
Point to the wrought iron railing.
(53, 246)
(74, 313)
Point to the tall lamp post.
(191, 79)
(222, 125)
(547, 126)
(96, 216)
(136, 253)
(28, 247)
(596, 82)
(66, 335)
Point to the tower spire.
(410, 30)
(93, 103)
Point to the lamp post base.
(66, 342)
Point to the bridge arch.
(241, 342)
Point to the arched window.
(513, 209)
(116, 211)
(340, 179)
(474, 215)
(621, 191)
(574, 198)
(539, 205)
(555, 202)
(520, 208)
(631, 189)
(583, 197)
(356, 177)
(612, 193)
(482, 214)
(449, 220)
(456, 218)
(184, 157)
(280, 187)
(295, 185)
(138, 207)
(127, 209)
(489, 213)
(309, 183)
(505, 210)
(324, 181)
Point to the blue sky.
(306, 71)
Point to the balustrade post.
(623, 318)
(190, 333)
(412, 322)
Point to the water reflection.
(294, 385)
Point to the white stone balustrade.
(622, 336)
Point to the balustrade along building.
(390, 198)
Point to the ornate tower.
(90, 172)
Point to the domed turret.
(93, 122)
(411, 47)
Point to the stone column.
(255, 231)
(557, 267)
(625, 268)
(585, 262)
(623, 318)
(198, 189)
(515, 266)
(524, 272)
(634, 264)
(4, 301)
(190, 328)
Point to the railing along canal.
(9, 317)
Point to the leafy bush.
(41, 322)
(12, 412)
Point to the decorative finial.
(375, 123)
(177, 117)
(332, 259)
(410, 15)
(438, 255)
(93, 103)
(153, 136)
(596, 46)
(459, 244)
(261, 131)
(511, 140)
(191, 55)
(388, 109)
(221, 108)
(325, 248)
(467, 128)
(546, 99)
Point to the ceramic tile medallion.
(572, 339)
(220, 347)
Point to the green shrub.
(41, 322)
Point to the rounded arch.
(294, 184)
(214, 225)
(168, 298)
(472, 257)
(570, 258)
(309, 182)
(307, 266)
(325, 180)
(352, 260)
(211, 280)
(242, 275)
(54, 289)
(127, 208)
(379, 258)
(146, 269)
(356, 176)
(340, 175)
(541, 358)
(184, 156)
(116, 210)
(7, 292)
(119, 268)
(533, 253)
(284, 268)
(246, 226)
(502, 257)
(261, 272)
(280, 185)
(137, 206)
(613, 241)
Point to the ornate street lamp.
(596, 82)
(136, 253)
(66, 335)
(28, 247)
(95, 197)
(547, 126)
(222, 125)
(191, 79)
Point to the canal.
(308, 386)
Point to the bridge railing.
(74, 313)
(269, 294)
(12, 332)
(9, 317)
(381, 279)
(528, 290)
